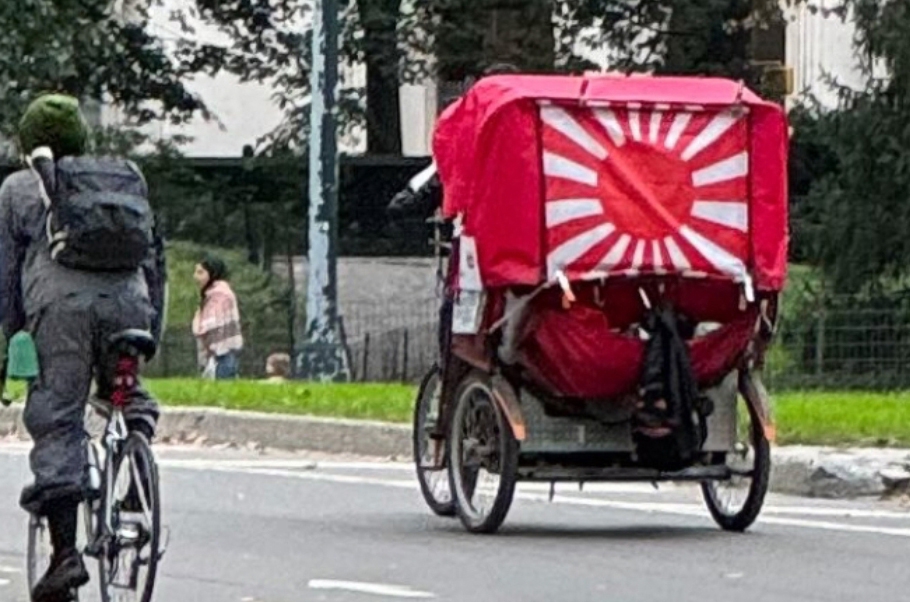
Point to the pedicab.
(619, 249)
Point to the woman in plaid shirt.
(216, 324)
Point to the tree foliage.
(857, 210)
(85, 48)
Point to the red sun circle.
(646, 191)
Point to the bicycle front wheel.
(129, 560)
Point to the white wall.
(820, 43)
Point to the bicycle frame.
(115, 434)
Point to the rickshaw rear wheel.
(431, 470)
(481, 441)
(759, 448)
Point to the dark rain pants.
(71, 337)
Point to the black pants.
(71, 339)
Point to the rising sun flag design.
(636, 190)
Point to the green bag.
(22, 357)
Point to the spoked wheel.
(429, 453)
(736, 503)
(483, 457)
(39, 550)
(128, 561)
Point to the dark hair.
(217, 270)
(500, 69)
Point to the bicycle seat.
(134, 342)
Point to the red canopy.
(601, 176)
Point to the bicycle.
(122, 537)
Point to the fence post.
(820, 344)
(404, 371)
(366, 357)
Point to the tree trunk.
(474, 34)
(379, 19)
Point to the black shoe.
(66, 573)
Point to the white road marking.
(774, 515)
(4, 582)
(378, 589)
(693, 510)
(10, 570)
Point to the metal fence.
(391, 342)
(842, 345)
(845, 343)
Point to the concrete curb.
(251, 429)
(804, 471)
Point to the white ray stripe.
(717, 256)
(560, 167)
(638, 258)
(656, 118)
(728, 169)
(566, 210)
(680, 122)
(635, 124)
(658, 255)
(616, 253)
(558, 119)
(717, 127)
(733, 214)
(677, 257)
(574, 248)
(608, 120)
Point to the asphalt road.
(275, 528)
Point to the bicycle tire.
(136, 446)
(38, 537)
(440, 507)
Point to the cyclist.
(70, 314)
(422, 197)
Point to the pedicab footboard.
(568, 434)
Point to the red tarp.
(606, 175)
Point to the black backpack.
(98, 215)
(669, 427)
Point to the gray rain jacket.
(30, 280)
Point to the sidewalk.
(796, 470)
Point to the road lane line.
(692, 510)
(820, 511)
(377, 589)
(770, 514)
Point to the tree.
(470, 35)
(270, 44)
(382, 56)
(82, 47)
(455, 40)
(860, 210)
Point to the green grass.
(391, 403)
(806, 418)
(843, 418)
